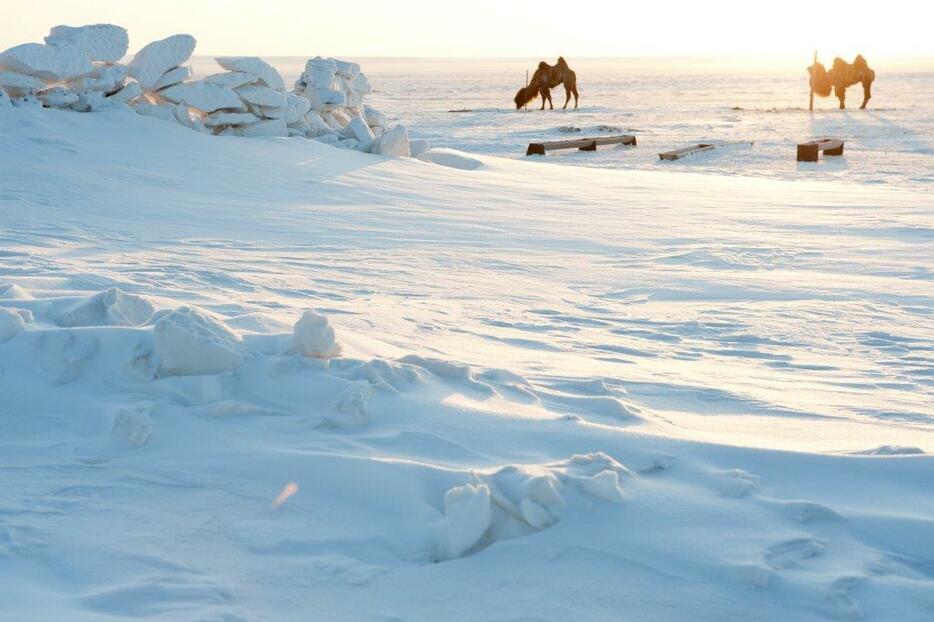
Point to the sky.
(503, 28)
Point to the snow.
(158, 57)
(563, 392)
(100, 42)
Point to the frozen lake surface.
(668, 104)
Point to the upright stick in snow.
(811, 82)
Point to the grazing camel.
(545, 78)
(841, 76)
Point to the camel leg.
(567, 97)
(551, 104)
(867, 94)
(841, 95)
(545, 94)
(575, 97)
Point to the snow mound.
(12, 291)
(112, 307)
(314, 336)
(890, 450)
(11, 323)
(518, 500)
(450, 158)
(189, 342)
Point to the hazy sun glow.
(495, 28)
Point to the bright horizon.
(522, 29)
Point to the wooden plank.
(677, 154)
(684, 151)
(810, 151)
(584, 144)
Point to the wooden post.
(526, 107)
(811, 83)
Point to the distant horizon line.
(630, 57)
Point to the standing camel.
(545, 78)
(841, 76)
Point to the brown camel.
(546, 78)
(841, 76)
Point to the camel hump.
(561, 61)
(543, 65)
(860, 63)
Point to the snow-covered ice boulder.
(261, 96)
(166, 112)
(317, 126)
(171, 77)
(393, 143)
(361, 85)
(112, 307)
(418, 147)
(360, 130)
(89, 100)
(328, 139)
(189, 342)
(11, 323)
(314, 336)
(296, 108)
(58, 97)
(5, 101)
(101, 42)
(375, 118)
(347, 69)
(106, 78)
(151, 62)
(324, 98)
(133, 425)
(48, 62)
(231, 79)
(127, 94)
(467, 516)
(203, 96)
(19, 81)
(320, 73)
(217, 119)
(268, 127)
(257, 66)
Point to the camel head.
(525, 95)
(821, 80)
